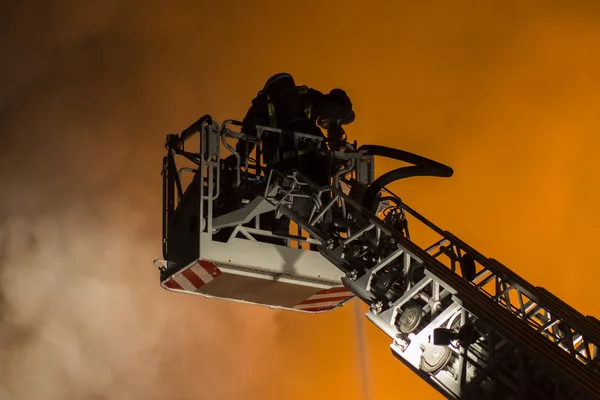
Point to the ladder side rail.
(572, 332)
(553, 318)
(476, 302)
(416, 250)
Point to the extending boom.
(463, 322)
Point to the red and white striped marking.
(194, 277)
(325, 300)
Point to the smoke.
(88, 94)
(503, 92)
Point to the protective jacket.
(282, 104)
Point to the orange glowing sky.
(504, 92)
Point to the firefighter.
(283, 104)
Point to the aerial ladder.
(465, 323)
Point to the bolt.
(377, 307)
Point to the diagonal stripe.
(193, 278)
(331, 295)
(210, 267)
(184, 282)
(341, 289)
(172, 284)
(202, 274)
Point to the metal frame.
(513, 352)
(361, 168)
(465, 323)
(283, 264)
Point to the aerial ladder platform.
(465, 323)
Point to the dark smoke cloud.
(88, 93)
(505, 92)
